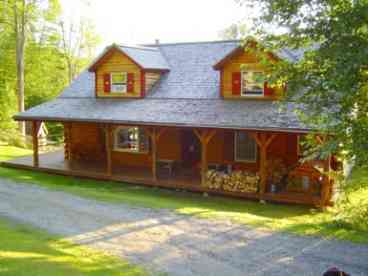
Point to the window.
(245, 147)
(119, 82)
(252, 83)
(131, 139)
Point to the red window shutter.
(268, 91)
(130, 85)
(107, 83)
(236, 83)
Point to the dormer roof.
(146, 58)
(288, 54)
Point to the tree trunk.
(19, 28)
(20, 82)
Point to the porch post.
(67, 141)
(204, 137)
(155, 134)
(108, 145)
(263, 142)
(154, 153)
(35, 128)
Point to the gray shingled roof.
(146, 57)
(185, 112)
(187, 95)
(191, 74)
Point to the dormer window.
(119, 82)
(252, 83)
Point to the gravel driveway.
(161, 240)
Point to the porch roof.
(209, 113)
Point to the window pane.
(127, 139)
(131, 139)
(118, 78)
(118, 88)
(252, 83)
(246, 148)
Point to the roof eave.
(58, 119)
(97, 62)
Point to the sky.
(143, 21)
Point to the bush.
(12, 138)
(352, 207)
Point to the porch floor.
(54, 162)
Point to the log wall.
(151, 79)
(86, 141)
(118, 62)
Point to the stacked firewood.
(237, 181)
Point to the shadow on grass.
(26, 251)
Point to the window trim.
(241, 84)
(116, 148)
(236, 159)
(126, 83)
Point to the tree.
(78, 44)
(330, 81)
(23, 16)
(234, 31)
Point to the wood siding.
(235, 65)
(151, 78)
(86, 141)
(118, 62)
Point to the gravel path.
(180, 245)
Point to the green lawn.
(294, 219)
(28, 252)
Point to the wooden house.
(196, 116)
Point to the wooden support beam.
(108, 146)
(154, 140)
(67, 141)
(35, 129)
(204, 137)
(263, 141)
(155, 134)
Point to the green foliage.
(331, 80)
(295, 219)
(352, 208)
(234, 31)
(47, 64)
(26, 251)
(12, 137)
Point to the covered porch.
(55, 163)
(62, 162)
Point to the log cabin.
(196, 116)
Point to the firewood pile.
(237, 181)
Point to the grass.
(26, 251)
(294, 219)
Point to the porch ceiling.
(211, 113)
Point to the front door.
(191, 148)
